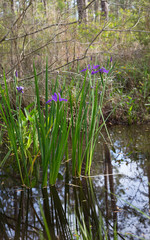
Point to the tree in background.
(81, 10)
(67, 31)
(104, 6)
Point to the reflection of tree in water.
(84, 199)
(108, 180)
(133, 188)
(20, 216)
(131, 138)
(131, 184)
(16, 220)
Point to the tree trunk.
(104, 6)
(44, 2)
(96, 6)
(81, 11)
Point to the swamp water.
(116, 196)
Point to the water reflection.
(130, 163)
(119, 180)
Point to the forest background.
(73, 34)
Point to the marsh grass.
(22, 135)
(83, 222)
(88, 103)
(15, 134)
(52, 134)
(130, 91)
(38, 136)
(83, 230)
(101, 233)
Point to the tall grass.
(86, 111)
(13, 123)
(38, 131)
(85, 222)
(52, 134)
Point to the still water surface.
(118, 192)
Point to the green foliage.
(45, 223)
(86, 111)
(14, 129)
(38, 136)
(130, 90)
(35, 131)
(61, 5)
(130, 104)
(52, 134)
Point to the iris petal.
(20, 89)
(95, 66)
(55, 98)
(93, 72)
(62, 99)
(103, 70)
(49, 101)
(83, 70)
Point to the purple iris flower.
(111, 59)
(83, 70)
(20, 89)
(16, 73)
(93, 72)
(61, 99)
(96, 66)
(56, 98)
(103, 70)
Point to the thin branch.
(89, 4)
(66, 64)
(15, 22)
(27, 55)
(40, 30)
(130, 5)
(126, 30)
(94, 39)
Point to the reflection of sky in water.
(130, 169)
(136, 193)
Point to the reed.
(12, 120)
(52, 133)
(38, 136)
(86, 112)
(20, 126)
(45, 223)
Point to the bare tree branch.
(94, 40)
(15, 22)
(125, 30)
(66, 64)
(28, 54)
(40, 30)
(89, 4)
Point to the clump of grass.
(37, 131)
(12, 120)
(130, 90)
(52, 133)
(86, 117)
